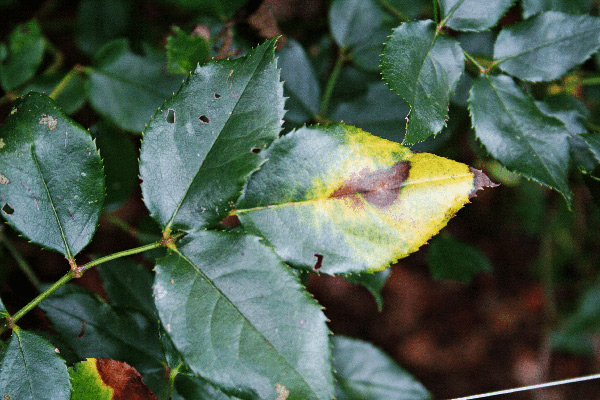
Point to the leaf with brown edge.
(337, 199)
(104, 378)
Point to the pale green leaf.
(531, 7)
(473, 15)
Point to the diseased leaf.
(449, 258)
(31, 369)
(517, 133)
(423, 68)
(546, 46)
(185, 51)
(241, 320)
(100, 21)
(366, 373)
(373, 282)
(92, 328)
(51, 178)
(473, 15)
(24, 52)
(531, 7)
(200, 146)
(127, 88)
(103, 378)
(335, 199)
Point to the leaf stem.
(436, 12)
(21, 262)
(123, 225)
(393, 11)
(335, 74)
(64, 82)
(450, 13)
(77, 272)
(57, 55)
(475, 62)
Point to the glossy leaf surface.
(366, 373)
(517, 133)
(546, 46)
(185, 51)
(31, 369)
(353, 21)
(336, 199)
(532, 7)
(449, 258)
(240, 318)
(25, 48)
(51, 178)
(423, 68)
(199, 147)
(473, 15)
(127, 88)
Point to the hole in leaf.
(319, 262)
(255, 150)
(204, 118)
(8, 209)
(171, 116)
(217, 96)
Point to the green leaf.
(593, 142)
(51, 178)
(127, 88)
(185, 51)
(473, 15)
(517, 133)
(336, 199)
(72, 96)
(423, 68)
(25, 49)
(92, 328)
(199, 148)
(106, 379)
(373, 282)
(300, 83)
(31, 369)
(407, 9)
(100, 21)
(531, 7)
(546, 46)
(354, 21)
(193, 388)
(215, 8)
(366, 373)
(241, 320)
(449, 258)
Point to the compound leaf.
(423, 68)
(473, 15)
(366, 373)
(31, 369)
(51, 178)
(25, 48)
(241, 320)
(337, 199)
(546, 46)
(517, 133)
(199, 148)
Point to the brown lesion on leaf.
(480, 180)
(49, 121)
(379, 188)
(126, 382)
(318, 262)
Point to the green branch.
(335, 74)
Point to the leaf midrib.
(29, 380)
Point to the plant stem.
(65, 81)
(57, 55)
(474, 61)
(76, 273)
(393, 11)
(436, 12)
(335, 74)
(21, 262)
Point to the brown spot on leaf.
(126, 382)
(380, 188)
(319, 262)
(480, 180)
(230, 221)
(49, 121)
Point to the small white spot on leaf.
(13, 111)
(49, 121)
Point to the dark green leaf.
(93, 328)
(373, 282)
(120, 163)
(199, 148)
(353, 21)
(215, 8)
(593, 142)
(380, 111)
(423, 68)
(366, 373)
(51, 178)
(473, 15)
(72, 96)
(592, 182)
(407, 9)
(241, 320)
(128, 88)
(300, 83)
(336, 199)
(100, 21)
(128, 285)
(449, 258)
(193, 388)
(25, 48)
(31, 369)
(531, 7)
(185, 51)
(546, 46)
(517, 133)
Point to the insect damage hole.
(171, 116)
(255, 150)
(217, 96)
(318, 262)
(203, 118)
(8, 210)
